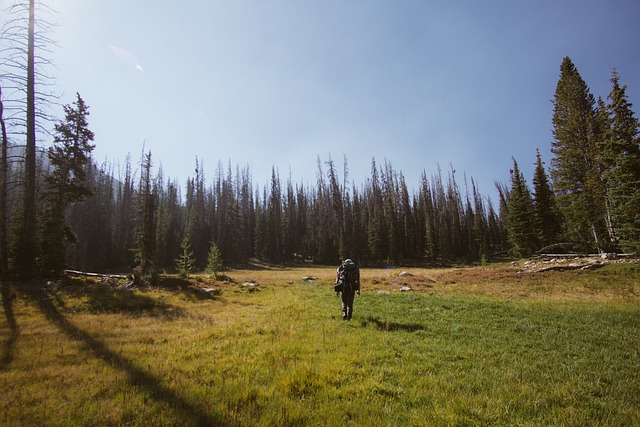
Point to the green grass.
(471, 347)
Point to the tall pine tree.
(548, 221)
(521, 231)
(69, 157)
(575, 169)
(620, 154)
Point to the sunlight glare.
(126, 56)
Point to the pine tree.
(407, 222)
(274, 219)
(521, 229)
(185, 262)
(575, 169)
(428, 214)
(480, 230)
(145, 244)
(376, 223)
(620, 154)
(548, 220)
(214, 260)
(168, 224)
(69, 157)
(124, 228)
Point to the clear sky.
(276, 83)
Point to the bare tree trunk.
(26, 255)
(595, 237)
(4, 174)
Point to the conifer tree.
(124, 229)
(428, 215)
(376, 223)
(274, 219)
(214, 260)
(575, 169)
(407, 222)
(185, 262)
(358, 227)
(169, 225)
(262, 230)
(480, 227)
(548, 220)
(247, 215)
(145, 244)
(521, 229)
(620, 155)
(69, 157)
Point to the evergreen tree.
(620, 154)
(575, 169)
(521, 229)
(548, 220)
(214, 261)
(69, 157)
(290, 237)
(376, 224)
(124, 229)
(145, 244)
(169, 224)
(336, 213)
(407, 222)
(93, 223)
(480, 227)
(426, 201)
(274, 219)
(358, 241)
(262, 231)
(185, 262)
(390, 212)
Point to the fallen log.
(89, 274)
(591, 266)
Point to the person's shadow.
(383, 325)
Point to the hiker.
(347, 284)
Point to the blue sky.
(277, 83)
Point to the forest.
(60, 209)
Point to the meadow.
(465, 346)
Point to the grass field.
(466, 346)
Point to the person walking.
(347, 284)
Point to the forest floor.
(503, 344)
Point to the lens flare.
(126, 56)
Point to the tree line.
(67, 211)
(593, 197)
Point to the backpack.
(349, 275)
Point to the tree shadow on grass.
(106, 298)
(192, 413)
(9, 345)
(189, 290)
(383, 325)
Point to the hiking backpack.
(349, 275)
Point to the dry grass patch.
(614, 282)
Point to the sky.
(277, 83)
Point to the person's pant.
(347, 304)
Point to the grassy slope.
(467, 346)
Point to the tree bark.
(26, 255)
(4, 174)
